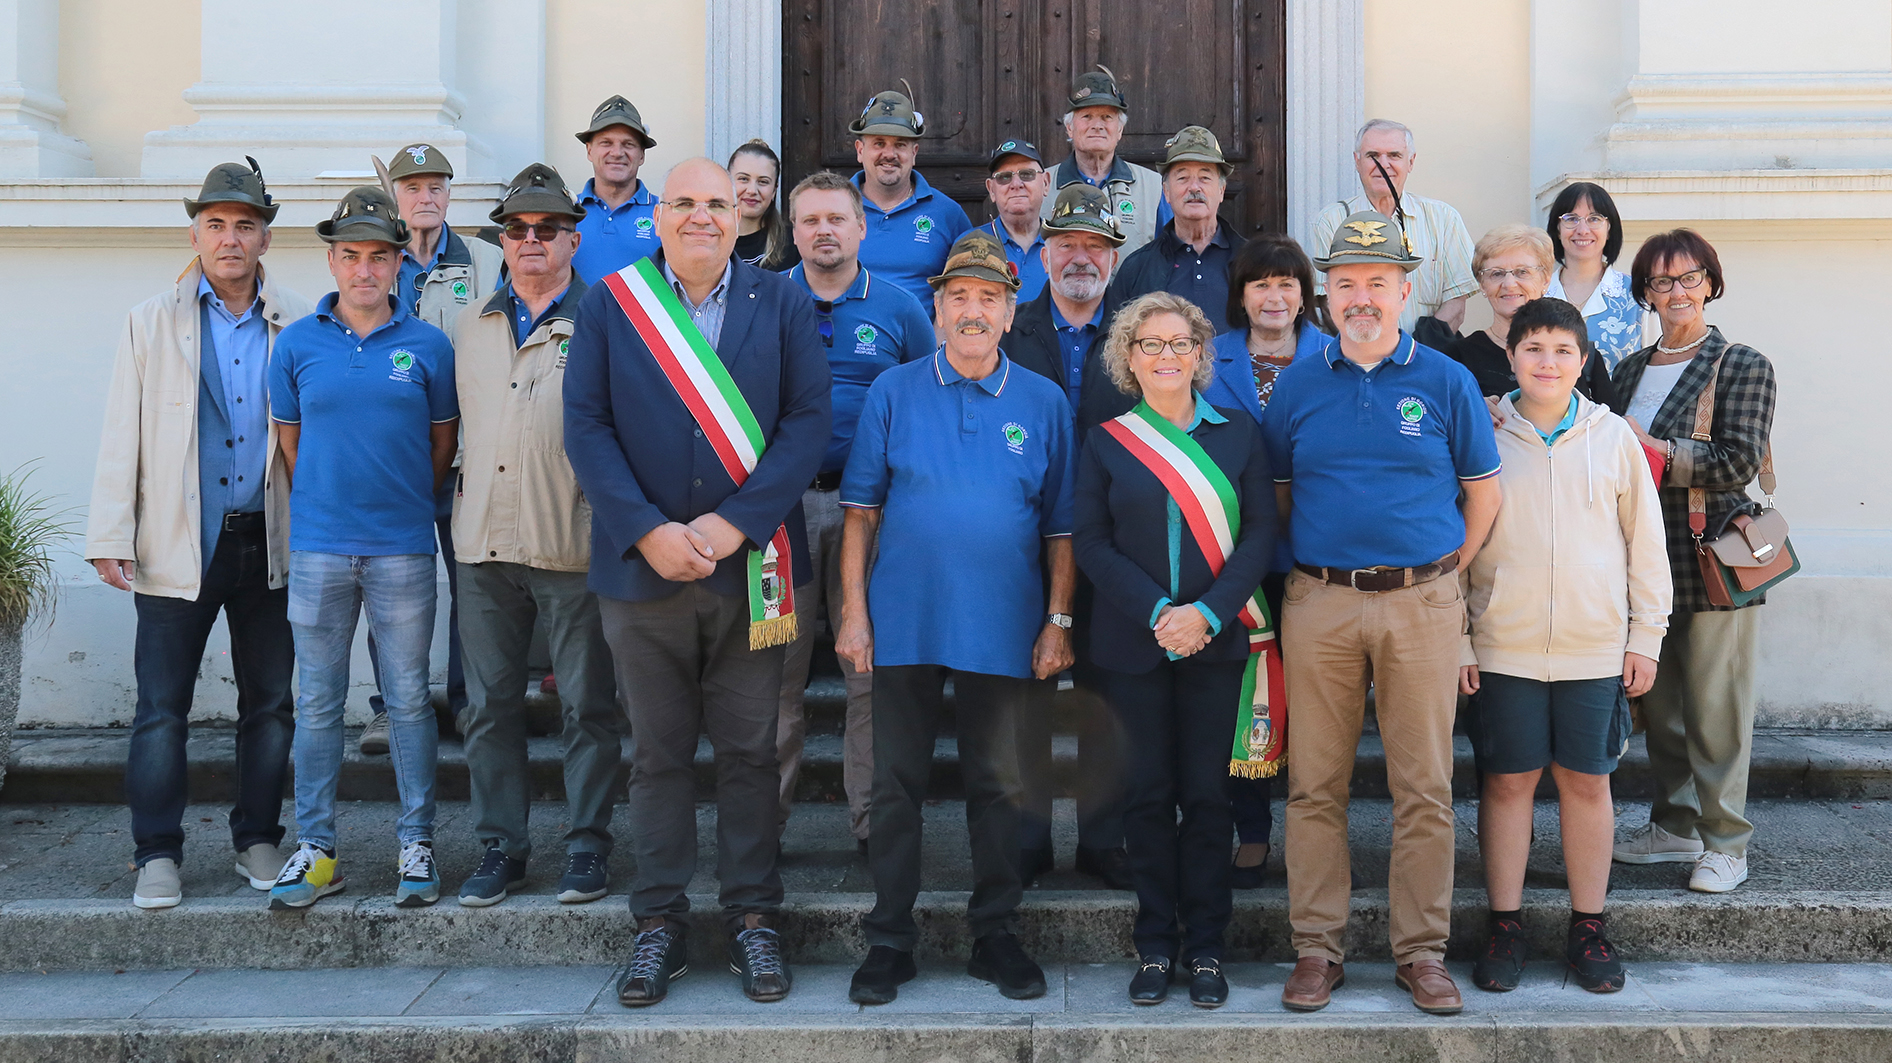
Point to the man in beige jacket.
(522, 538)
(190, 512)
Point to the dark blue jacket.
(640, 458)
(1121, 538)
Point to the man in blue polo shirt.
(963, 464)
(619, 226)
(867, 326)
(364, 400)
(1374, 446)
(910, 227)
(1017, 181)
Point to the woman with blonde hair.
(1513, 265)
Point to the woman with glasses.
(762, 236)
(1513, 264)
(1586, 234)
(1270, 292)
(1700, 713)
(1174, 525)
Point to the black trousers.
(907, 702)
(1179, 724)
(167, 653)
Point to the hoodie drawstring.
(1589, 473)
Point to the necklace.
(1684, 348)
(1259, 348)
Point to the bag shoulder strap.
(1704, 425)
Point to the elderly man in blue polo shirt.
(363, 397)
(1385, 457)
(910, 227)
(1017, 181)
(867, 326)
(963, 464)
(619, 226)
(696, 413)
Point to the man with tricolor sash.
(696, 411)
(1384, 455)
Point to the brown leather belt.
(1374, 580)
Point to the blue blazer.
(1121, 538)
(1233, 385)
(640, 458)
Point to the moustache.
(1362, 311)
(1080, 269)
(1195, 197)
(975, 325)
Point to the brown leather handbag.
(1749, 552)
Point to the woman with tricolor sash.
(1175, 524)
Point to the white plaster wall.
(123, 69)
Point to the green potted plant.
(29, 530)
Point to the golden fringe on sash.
(780, 631)
(1252, 769)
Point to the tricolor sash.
(704, 385)
(1209, 507)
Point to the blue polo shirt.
(364, 479)
(414, 272)
(523, 323)
(1027, 260)
(908, 244)
(1376, 456)
(873, 327)
(971, 477)
(611, 239)
(1074, 343)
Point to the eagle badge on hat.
(419, 154)
(1368, 233)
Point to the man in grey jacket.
(190, 513)
(1095, 125)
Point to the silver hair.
(1382, 123)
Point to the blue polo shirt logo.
(1411, 412)
(1015, 437)
(923, 229)
(403, 360)
(644, 225)
(866, 334)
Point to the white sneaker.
(1650, 844)
(259, 865)
(1718, 873)
(158, 886)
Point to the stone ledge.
(1786, 194)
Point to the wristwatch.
(1062, 620)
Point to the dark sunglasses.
(824, 321)
(546, 231)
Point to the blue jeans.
(326, 595)
(456, 676)
(168, 651)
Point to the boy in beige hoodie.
(1568, 602)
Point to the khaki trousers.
(1336, 640)
(1700, 715)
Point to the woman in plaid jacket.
(1700, 713)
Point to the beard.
(1362, 327)
(1080, 284)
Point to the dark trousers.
(684, 666)
(1251, 800)
(907, 704)
(167, 654)
(1179, 723)
(456, 676)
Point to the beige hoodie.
(1576, 572)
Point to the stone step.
(1803, 1013)
(87, 765)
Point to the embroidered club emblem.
(1126, 208)
(459, 290)
(403, 359)
(866, 334)
(1411, 410)
(923, 225)
(1008, 145)
(418, 154)
(644, 226)
(1367, 233)
(564, 347)
(1015, 437)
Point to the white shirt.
(1653, 390)
(1438, 237)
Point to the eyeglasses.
(824, 321)
(1692, 279)
(717, 207)
(1182, 345)
(546, 231)
(1026, 175)
(1499, 276)
(1594, 221)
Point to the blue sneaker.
(309, 875)
(498, 876)
(584, 878)
(420, 878)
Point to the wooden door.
(984, 71)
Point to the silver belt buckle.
(1353, 578)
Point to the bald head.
(696, 219)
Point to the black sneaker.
(1502, 963)
(584, 878)
(659, 957)
(1593, 960)
(1207, 987)
(998, 958)
(1150, 985)
(498, 876)
(1110, 865)
(880, 976)
(755, 953)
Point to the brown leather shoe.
(1432, 989)
(1312, 984)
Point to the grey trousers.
(819, 597)
(685, 667)
(499, 603)
(1700, 715)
